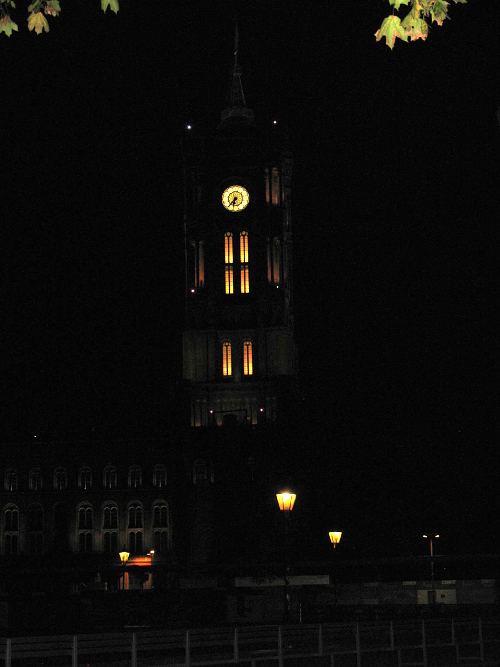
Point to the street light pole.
(432, 537)
(335, 539)
(286, 501)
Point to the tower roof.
(236, 110)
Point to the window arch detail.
(35, 479)
(60, 479)
(134, 477)
(247, 357)
(160, 476)
(227, 369)
(85, 478)
(109, 477)
(11, 480)
(228, 263)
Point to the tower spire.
(236, 106)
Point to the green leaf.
(398, 3)
(391, 28)
(38, 23)
(114, 5)
(52, 7)
(7, 25)
(35, 7)
(439, 11)
(416, 28)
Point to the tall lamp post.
(335, 536)
(431, 538)
(286, 501)
(124, 555)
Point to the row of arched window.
(107, 522)
(227, 366)
(229, 263)
(86, 479)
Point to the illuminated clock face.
(235, 198)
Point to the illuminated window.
(228, 259)
(276, 261)
(35, 479)
(226, 359)
(247, 358)
(266, 183)
(109, 477)
(60, 479)
(134, 477)
(11, 480)
(160, 476)
(85, 478)
(199, 471)
(275, 186)
(269, 263)
(201, 264)
(244, 282)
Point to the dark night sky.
(395, 213)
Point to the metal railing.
(422, 642)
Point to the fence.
(431, 642)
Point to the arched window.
(11, 480)
(84, 525)
(109, 477)
(135, 533)
(35, 479)
(160, 476)
(244, 270)
(60, 479)
(11, 530)
(228, 263)
(227, 369)
(247, 358)
(160, 527)
(110, 528)
(276, 261)
(85, 478)
(275, 186)
(266, 184)
(200, 471)
(35, 529)
(134, 477)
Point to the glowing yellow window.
(244, 273)
(247, 358)
(275, 186)
(226, 359)
(229, 279)
(228, 248)
(245, 282)
(228, 258)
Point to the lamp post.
(431, 538)
(286, 501)
(124, 555)
(335, 536)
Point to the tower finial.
(236, 40)
(236, 105)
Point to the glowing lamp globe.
(286, 501)
(335, 537)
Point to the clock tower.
(239, 356)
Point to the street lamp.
(124, 555)
(335, 537)
(286, 501)
(431, 538)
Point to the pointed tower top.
(236, 106)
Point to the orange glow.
(124, 555)
(201, 265)
(275, 186)
(266, 177)
(228, 249)
(247, 358)
(226, 359)
(286, 501)
(229, 279)
(335, 538)
(243, 247)
(245, 281)
(276, 261)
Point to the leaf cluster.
(37, 12)
(415, 25)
